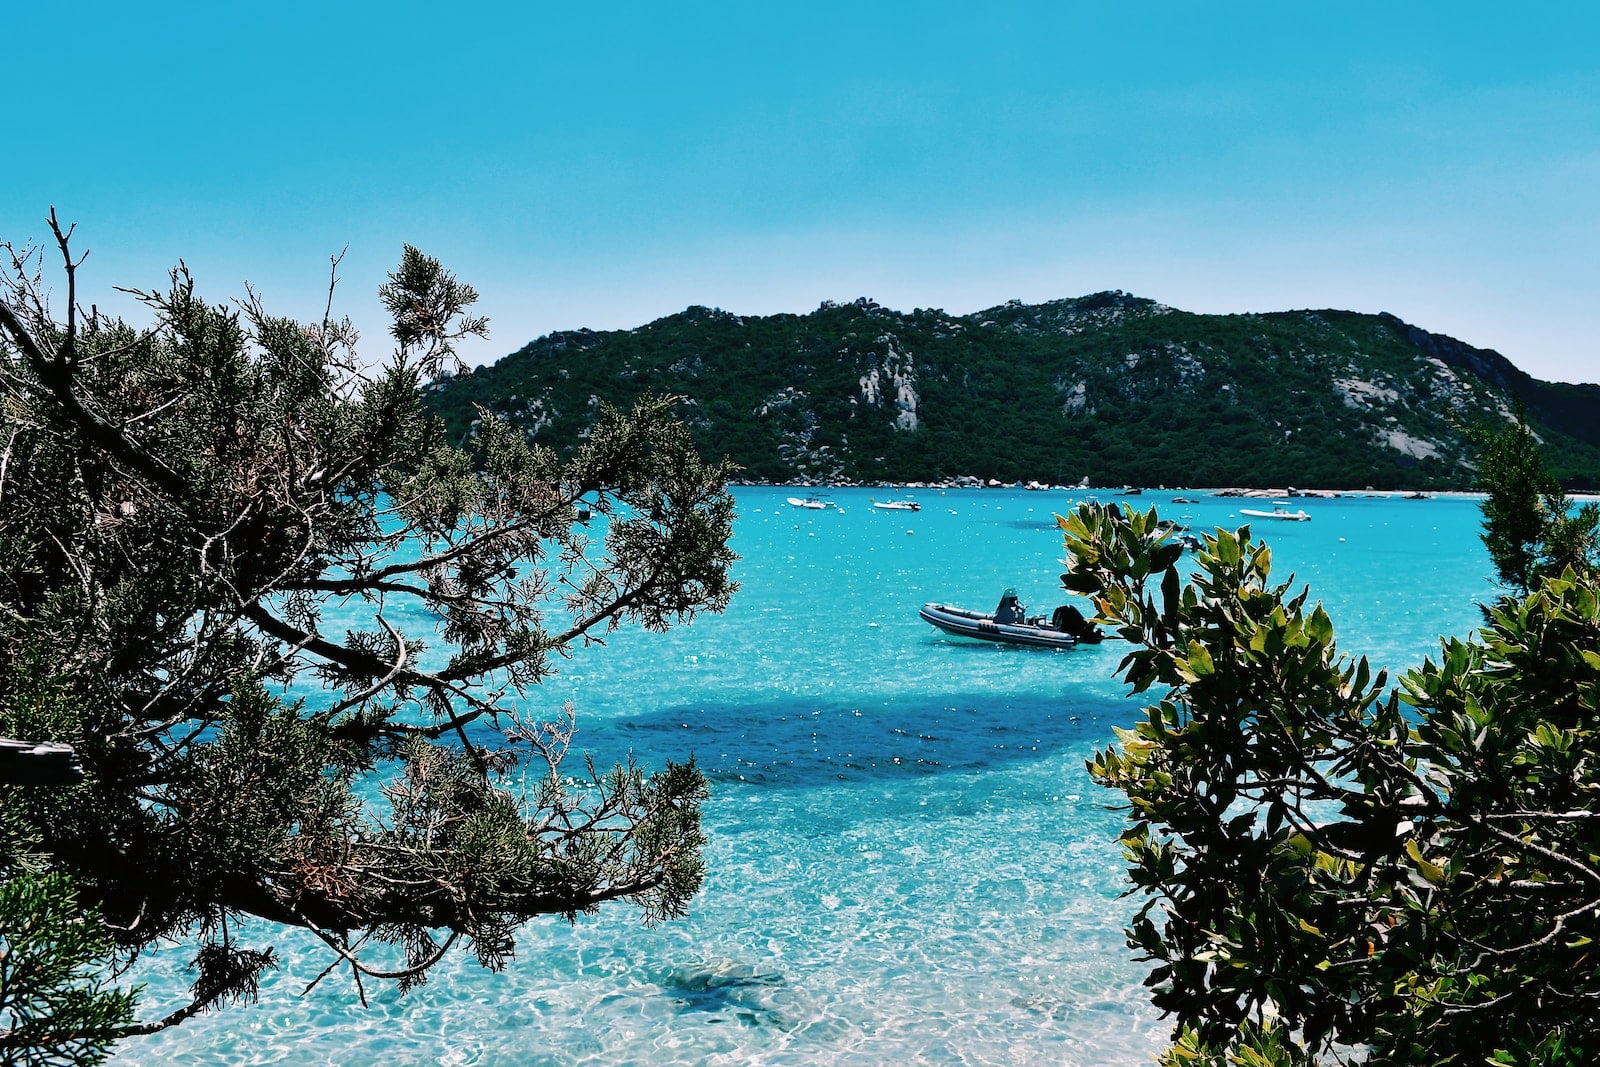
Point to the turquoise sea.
(907, 861)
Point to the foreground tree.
(56, 1003)
(1329, 863)
(180, 508)
(1531, 529)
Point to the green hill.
(1111, 388)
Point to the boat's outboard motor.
(1069, 619)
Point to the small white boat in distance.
(1280, 510)
(810, 502)
(897, 505)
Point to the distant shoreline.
(1221, 492)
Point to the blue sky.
(603, 164)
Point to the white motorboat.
(1280, 510)
(897, 505)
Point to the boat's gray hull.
(960, 622)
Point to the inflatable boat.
(1010, 624)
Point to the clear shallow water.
(907, 861)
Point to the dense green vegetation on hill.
(1111, 388)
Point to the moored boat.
(1280, 510)
(1010, 624)
(897, 505)
(809, 502)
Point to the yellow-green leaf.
(1431, 871)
